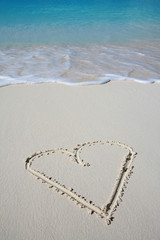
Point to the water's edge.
(7, 81)
(77, 65)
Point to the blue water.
(52, 21)
(64, 40)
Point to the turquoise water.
(78, 22)
(57, 40)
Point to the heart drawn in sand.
(106, 212)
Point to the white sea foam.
(79, 65)
(4, 81)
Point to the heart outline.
(117, 192)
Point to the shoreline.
(79, 65)
(103, 80)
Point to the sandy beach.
(82, 142)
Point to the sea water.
(79, 42)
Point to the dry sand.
(56, 117)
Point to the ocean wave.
(75, 65)
(5, 81)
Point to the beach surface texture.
(95, 147)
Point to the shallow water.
(72, 42)
(94, 64)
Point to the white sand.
(49, 116)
